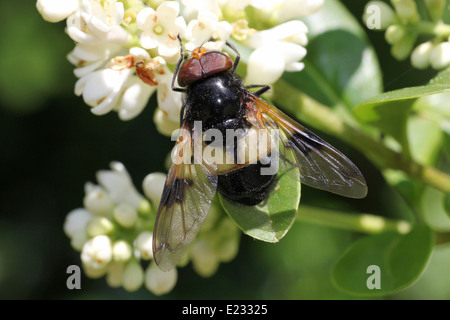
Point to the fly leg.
(263, 89)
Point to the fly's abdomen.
(247, 185)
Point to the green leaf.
(270, 220)
(447, 203)
(425, 139)
(401, 260)
(341, 67)
(433, 210)
(389, 111)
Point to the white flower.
(75, 227)
(143, 245)
(114, 277)
(153, 186)
(160, 282)
(125, 214)
(395, 33)
(169, 101)
(420, 57)
(122, 251)
(277, 50)
(135, 97)
(161, 27)
(76, 221)
(97, 22)
(97, 200)
(267, 64)
(164, 124)
(133, 276)
(106, 90)
(119, 185)
(102, 89)
(294, 9)
(212, 6)
(97, 253)
(228, 245)
(57, 10)
(204, 259)
(291, 31)
(440, 55)
(88, 58)
(102, 16)
(99, 226)
(206, 27)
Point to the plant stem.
(323, 118)
(435, 28)
(366, 223)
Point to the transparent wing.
(185, 202)
(321, 165)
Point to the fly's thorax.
(215, 100)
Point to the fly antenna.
(177, 68)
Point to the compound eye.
(190, 72)
(215, 62)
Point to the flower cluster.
(113, 232)
(403, 25)
(127, 50)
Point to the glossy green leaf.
(270, 220)
(389, 111)
(425, 139)
(341, 67)
(447, 204)
(385, 263)
(433, 210)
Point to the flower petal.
(56, 10)
(265, 66)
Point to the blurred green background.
(51, 145)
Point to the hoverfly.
(214, 95)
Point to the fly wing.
(186, 199)
(321, 165)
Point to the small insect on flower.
(261, 143)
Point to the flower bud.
(406, 10)
(401, 49)
(440, 55)
(159, 282)
(76, 221)
(143, 245)
(435, 8)
(56, 10)
(420, 57)
(97, 253)
(153, 186)
(121, 251)
(394, 33)
(78, 240)
(114, 276)
(133, 276)
(97, 201)
(163, 123)
(125, 214)
(94, 273)
(378, 15)
(99, 226)
(204, 259)
(228, 246)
